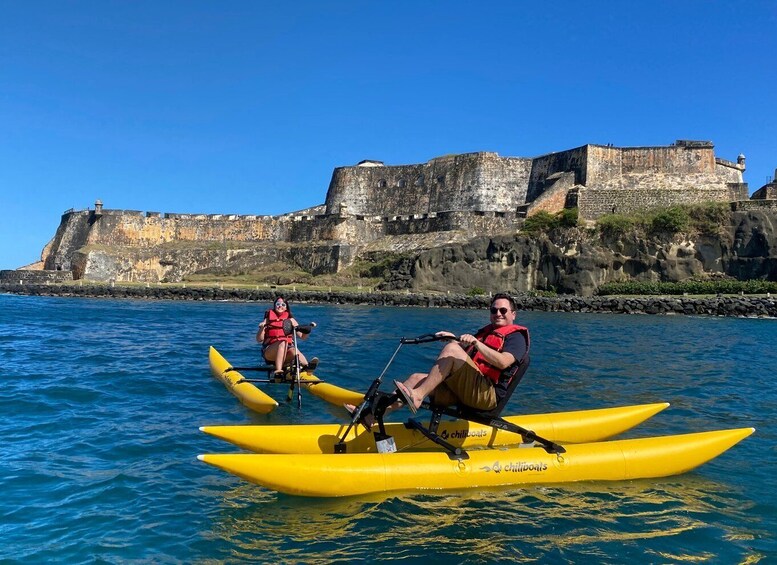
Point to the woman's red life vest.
(494, 337)
(273, 329)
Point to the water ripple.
(102, 400)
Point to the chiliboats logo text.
(463, 434)
(515, 467)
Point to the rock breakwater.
(736, 306)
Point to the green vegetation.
(568, 217)
(690, 287)
(550, 293)
(615, 225)
(376, 268)
(476, 291)
(707, 218)
(671, 220)
(543, 222)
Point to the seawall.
(732, 306)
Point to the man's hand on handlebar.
(445, 335)
(467, 339)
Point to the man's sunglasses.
(502, 311)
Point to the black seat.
(490, 418)
(469, 413)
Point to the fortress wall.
(21, 276)
(727, 171)
(593, 203)
(737, 191)
(766, 192)
(604, 164)
(477, 223)
(651, 177)
(72, 233)
(675, 158)
(473, 181)
(364, 229)
(754, 205)
(574, 160)
(378, 190)
(612, 167)
(337, 228)
(425, 223)
(136, 229)
(680, 167)
(647, 182)
(496, 183)
(626, 168)
(555, 196)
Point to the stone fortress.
(372, 206)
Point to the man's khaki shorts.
(466, 385)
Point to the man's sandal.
(406, 395)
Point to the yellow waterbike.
(245, 389)
(475, 449)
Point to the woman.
(277, 344)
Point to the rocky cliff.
(577, 261)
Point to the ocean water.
(101, 401)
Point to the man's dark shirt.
(515, 344)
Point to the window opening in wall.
(420, 180)
(402, 183)
(382, 183)
(441, 179)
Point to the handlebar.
(288, 327)
(426, 338)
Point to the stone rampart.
(593, 203)
(72, 234)
(22, 276)
(546, 166)
(556, 193)
(681, 173)
(767, 191)
(676, 159)
(123, 228)
(754, 205)
(477, 221)
(729, 172)
(469, 182)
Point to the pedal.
(385, 443)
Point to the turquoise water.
(102, 399)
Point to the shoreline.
(731, 306)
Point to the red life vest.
(273, 329)
(494, 337)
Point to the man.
(475, 370)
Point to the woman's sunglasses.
(280, 305)
(502, 311)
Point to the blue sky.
(246, 107)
